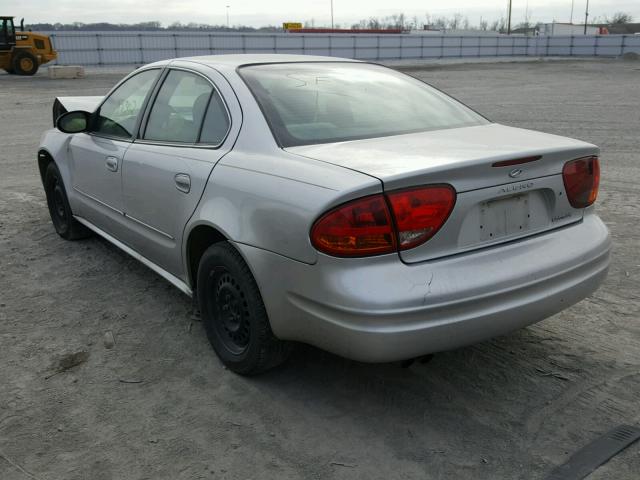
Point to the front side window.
(179, 109)
(118, 115)
(310, 103)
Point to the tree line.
(152, 26)
(457, 21)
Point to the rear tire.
(24, 63)
(234, 314)
(61, 215)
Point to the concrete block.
(66, 71)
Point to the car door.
(96, 156)
(165, 171)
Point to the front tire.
(61, 215)
(234, 314)
(24, 63)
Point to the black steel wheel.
(61, 216)
(231, 310)
(234, 314)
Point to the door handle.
(112, 164)
(183, 182)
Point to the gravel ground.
(159, 405)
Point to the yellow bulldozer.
(22, 52)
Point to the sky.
(274, 12)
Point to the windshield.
(311, 103)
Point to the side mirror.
(73, 122)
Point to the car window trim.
(136, 127)
(148, 107)
(145, 119)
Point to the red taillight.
(364, 227)
(420, 212)
(356, 229)
(581, 180)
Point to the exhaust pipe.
(423, 359)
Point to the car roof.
(237, 60)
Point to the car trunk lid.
(494, 204)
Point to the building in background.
(447, 31)
(549, 29)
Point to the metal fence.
(136, 48)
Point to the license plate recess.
(504, 217)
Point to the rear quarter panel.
(270, 200)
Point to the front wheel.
(234, 315)
(24, 63)
(61, 216)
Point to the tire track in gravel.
(591, 394)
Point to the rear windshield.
(311, 103)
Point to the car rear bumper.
(379, 309)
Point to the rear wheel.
(234, 315)
(24, 63)
(61, 216)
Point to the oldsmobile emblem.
(516, 172)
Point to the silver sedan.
(327, 201)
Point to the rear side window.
(312, 102)
(179, 108)
(216, 121)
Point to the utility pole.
(571, 20)
(509, 19)
(331, 13)
(228, 16)
(586, 17)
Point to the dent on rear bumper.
(380, 309)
